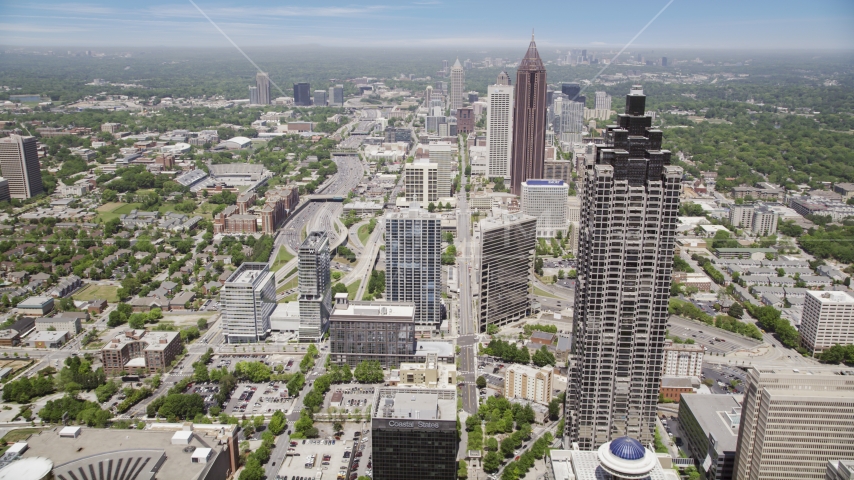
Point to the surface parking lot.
(343, 457)
(207, 391)
(352, 398)
(258, 398)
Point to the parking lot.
(354, 399)
(258, 398)
(343, 456)
(206, 391)
(714, 339)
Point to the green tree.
(369, 371)
(736, 310)
(480, 382)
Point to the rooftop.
(380, 311)
(424, 404)
(830, 297)
(715, 415)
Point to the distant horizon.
(727, 24)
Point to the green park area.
(93, 291)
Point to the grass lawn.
(282, 258)
(92, 291)
(352, 289)
(289, 298)
(292, 283)
(363, 234)
(543, 293)
(109, 211)
(16, 436)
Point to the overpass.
(325, 198)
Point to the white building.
(546, 201)
(529, 383)
(458, 80)
(603, 101)
(420, 180)
(682, 359)
(828, 319)
(315, 286)
(759, 219)
(499, 130)
(248, 298)
(623, 458)
(442, 155)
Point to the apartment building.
(827, 320)
(682, 359)
(793, 422)
(529, 383)
(140, 351)
(420, 182)
(442, 156)
(499, 130)
(248, 298)
(315, 286)
(413, 244)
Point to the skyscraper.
(320, 98)
(571, 90)
(603, 101)
(663, 61)
(253, 96)
(413, 243)
(428, 97)
(458, 84)
(507, 244)
(19, 162)
(529, 122)
(626, 241)
(442, 156)
(315, 287)
(302, 94)
(503, 78)
(248, 299)
(545, 200)
(499, 130)
(420, 181)
(337, 95)
(262, 81)
(793, 422)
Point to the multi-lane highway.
(468, 320)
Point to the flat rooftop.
(97, 441)
(831, 297)
(379, 310)
(313, 240)
(423, 404)
(503, 220)
(713, 415)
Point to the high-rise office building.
(663, 61)
(545, 200)
(337, 95)
(414, 434)
(499, 130)
(458, 84)
(793, 421)
(315, 287)
(413, 244)
(302, 94)
(428, 97)
(19, 162)
(420, 181)
(571, 90)
(253, 96)
(442, 156)
(572, 120)
(507, 244)
(529, 122)
(473, 96)
(360, 331)
(827, 320)
(248, 298)
(503, 79)
(320, 98)
(626, 241)
(262, 82)
(558, 170)
(465, 120)
(445, 66)
(603, 101)
(710, 425)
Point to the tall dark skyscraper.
(529, 120)
(302, 94)
(571, 90)
(630, 200)
(19, 161)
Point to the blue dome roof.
(627, 448)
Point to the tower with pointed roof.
(503, 78)
(529, 122)
(458, 80)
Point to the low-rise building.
(37, 305)
(48, 339)
(60, 322)
(372, 331)
(682, 359)
(672, 388)
(140, 350)
(429, 374)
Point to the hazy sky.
(813, 24)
